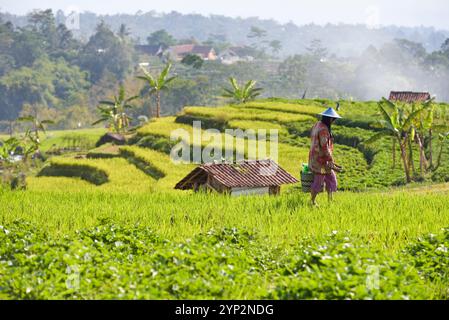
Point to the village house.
(153, 51)
(244, 178)
(148, 51)
(236, 54)
(179, 52)
(409, 96)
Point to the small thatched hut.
(247, 177)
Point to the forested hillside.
(342, 39)
(49, 70)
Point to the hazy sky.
(373, 12)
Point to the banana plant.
(38, 125)
(443, 139)
(242, 94)
(7, 148)
(14, 170)
(398, 125)
(155, 85)
(422, 125)
(114, 112)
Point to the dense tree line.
(49, 72)
(44, 66)
(342, 39)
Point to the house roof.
(151, 50)
(182, 49)
(409, 96)
(242, 51)
(250, 173)
(191, 48)
(205, 50)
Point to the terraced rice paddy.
(119, 222)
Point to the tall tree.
(104, 53)
(7, 61)
(161, 38)
(27, 48)
(258, 35)
(123, 31)
(275, 46)
(317, 50)
(66, 41)
(445, 46)
(54, 84)
(43, 22)
(293, 73)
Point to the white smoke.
(372, 20)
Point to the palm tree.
(114, 112)
(242, 94)
(399, 126)
(157, 84)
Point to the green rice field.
(111, 225)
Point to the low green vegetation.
(242, 113)
(109, 223)
(105, 151)
(242, 94)
(81, 221)
(85, 171)
(61, 141)
(158, 165)
(149, 246)
(112, 175)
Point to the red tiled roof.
(182, 49)
(250, 173)
(185, 49)
(408, 96)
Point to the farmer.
(321, 162)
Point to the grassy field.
(386, 221)
(262, 234)
(84, 138)
(119, 228)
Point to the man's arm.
(324, 138)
